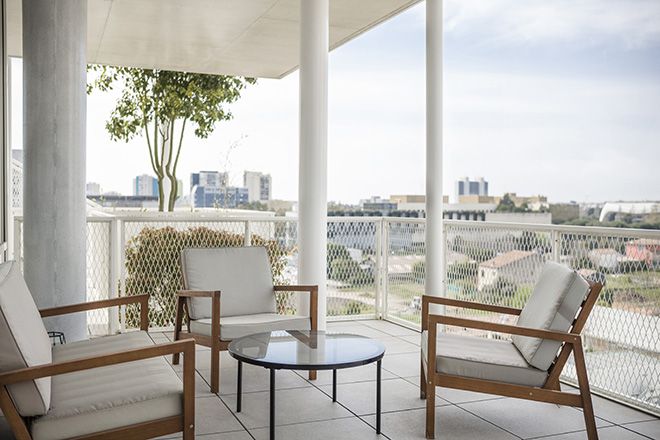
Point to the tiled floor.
(304, 409)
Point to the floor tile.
(650, 428)
(344, 429)
(528, 419)
(256, 379)
(213, 416)
(397, 395)
(396, 345)
(349, 375)
(605, 433)
(291, 406)
(402, 365)
(616, 413)
(451, 423)
(390, 328)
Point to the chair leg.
(583, 383)
(430, 409)
(177, 328)
(215, 369)
(422, 380)
(312, 375)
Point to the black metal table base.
(239, 391)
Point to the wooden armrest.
(199, 293)
(187, 346)
(297, 288)
(504, 328)
(92, 305)
(469, 305)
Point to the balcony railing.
(376, 270)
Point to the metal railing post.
(248, 233)
(18, 244)
(556, 245)
(379, 269)
(122, 255)
(115, 270)
(385, 269)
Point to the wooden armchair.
(113, 387)
(229, 293)
(528, 367)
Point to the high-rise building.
(219, 197)
(93, 189)
(466, 187)
(145, 185)
(259, 186)
(208, 178)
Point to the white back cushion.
(553, 305)
(242, 274)
(24, 341)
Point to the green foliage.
(419, 270)
(335, 251)
(153, 101)
(507, 205)
(459, 271)
(361, 278)
(353, 308)
(254, 206)
(342, 269)
(152, 266)
(502, 287)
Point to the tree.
(158, 103)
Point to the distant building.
(638, 211)
(145, 185)
(93, 188)
(119, 201)
(644, 249)
(208, 178)
(467, 187)
(259, 186)
(376, 203)
(219, 197)
(518, 267)
(604, 258)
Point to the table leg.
(334, 385)
(378, 394)
(239, 387)
(272, 404)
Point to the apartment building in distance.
(259, 186)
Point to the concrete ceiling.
(258, 38)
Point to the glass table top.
(306, 350)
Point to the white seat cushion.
(480, 358)
(232, 327)
(24, 341)
(554, 302)
(242, 274)
(108, 397)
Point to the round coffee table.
(306, 350)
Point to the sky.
(556, 98)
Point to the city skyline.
(545, 99)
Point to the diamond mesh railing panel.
(151, 260)
(98, 275)
(499, 265)
(352, 268)
(622, 334)
(16, 185)
(404, 254)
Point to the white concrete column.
(313, 166)
(434, 238)
(54, 81)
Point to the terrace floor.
(304, 409)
